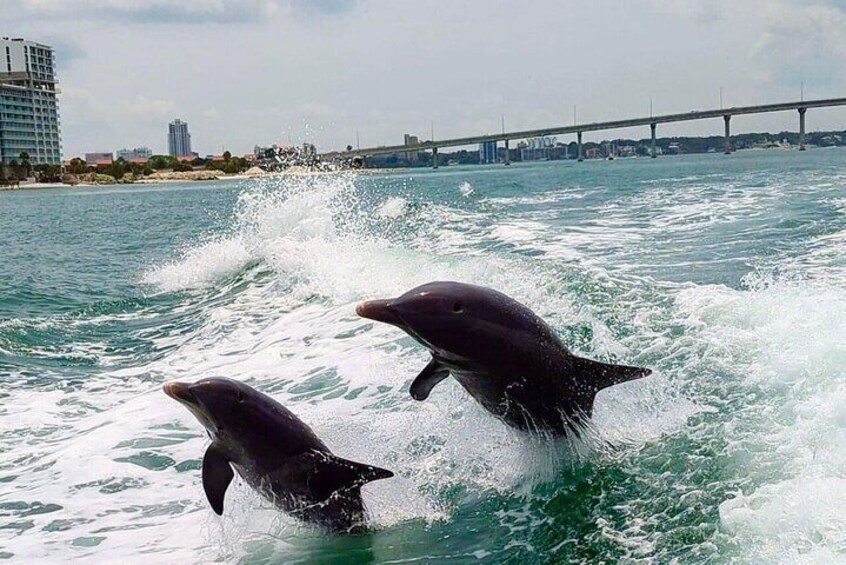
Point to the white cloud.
(211, 114)
(702, 11)
(783, 42)
(294, 69)
(803, 42)
(313, 110)
(177, 11)
(144, 108)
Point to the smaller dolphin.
(501, 352)
(275, 453)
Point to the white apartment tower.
(29, 111)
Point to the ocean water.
(723, 274)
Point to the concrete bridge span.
(652, 121)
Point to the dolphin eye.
(458, 308)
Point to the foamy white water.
(727, 285)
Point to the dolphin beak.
(378, 310)
(179, 391)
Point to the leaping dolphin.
(275, 453)
(501, 352)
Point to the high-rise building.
(29, 111)
(178, 139)
(487, 152)
(411, 156)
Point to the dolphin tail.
(329, 473)
(600, 375)
(589, 377)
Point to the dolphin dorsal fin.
(328, 473)
(429, 377)
(217, 474)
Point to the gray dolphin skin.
(275, 453)
(501, 352)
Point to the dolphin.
(275, 453)
(501, 352)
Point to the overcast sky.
(243, 72)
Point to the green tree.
(77, 166)
(48, 173)
(227, 155)
(24, 156)
(159, 162)
(182, 166)
(118, 168)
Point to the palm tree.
(25, 162)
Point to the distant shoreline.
(167, 178)
(49, 185)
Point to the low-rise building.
(94, 159)
(127, 154)
(537, 148)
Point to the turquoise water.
(723, 274)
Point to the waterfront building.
(135, 153)
(626, 150)
(537, 148)
(487, 152)
(94, 159)
(408, 139)
(178, 139)
(268, 152)
(29, 110)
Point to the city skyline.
(304, 72)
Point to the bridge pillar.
(507, 153)
(434, 157)
(652, 152)
(802, 128)
(727, 148)
(579, 138)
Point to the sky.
(331, 72)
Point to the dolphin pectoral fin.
(431, 375)
(328, 473)
(602, 375)
(217, 474)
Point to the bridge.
(652, 121)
